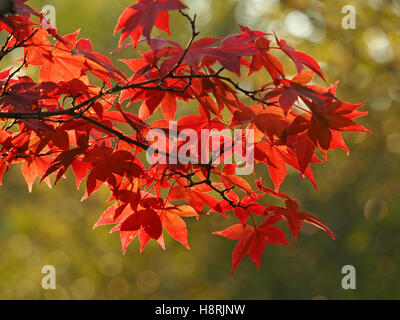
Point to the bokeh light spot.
(299, 24)
(118, 288)
(148, 281)
(110, 264)
(59, 260)
(393, 142)
(378, 44)
(375, 209)
(20, 245)
(82, 289)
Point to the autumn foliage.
(85, 114)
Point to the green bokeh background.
(358, 195)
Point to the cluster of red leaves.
(64, 120)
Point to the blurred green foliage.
(358, 195)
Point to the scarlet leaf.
(263, 235)
(148, 219)
(175, 226)
(300, 58)
(140, 18)
(65, 121)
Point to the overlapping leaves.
(65, 120)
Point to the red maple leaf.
(252, 240)
(102, 132)
(300, 59)
(139, 19)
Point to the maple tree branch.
(3, 48)
(8, 127)
(12, 75)
(129, 140)
(192, 22)
(63, 94)
(26, 156)
(117, 133)
(47, 114)
(4, 51)
(249, 93)
(208, 182)
(117, 88)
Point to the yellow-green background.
(358, 195)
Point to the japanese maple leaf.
(197, 50)
(274, 123)
(63, 161)
(4, 74)
(110, 167)
(127, 236)
(229, 178)
(276, 157)
(172, 222)
(233, 47)
(325, 122)
(133, 225)
(117, 215)
(271, 121)
(294, 217)
(197, 197)
(241, 232)
(270, 63)
(96, 63)
(252, 241)
(290, 90)
(304, 148)
(38, 48)
(172, 52)
(291, 214)
(149, 221)
(228, 53)
(139, 19)
(300, 59)
(22, 9)
(60, 64)
(152, 100)
(146, 218)
(35, 167)
(129, 223)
